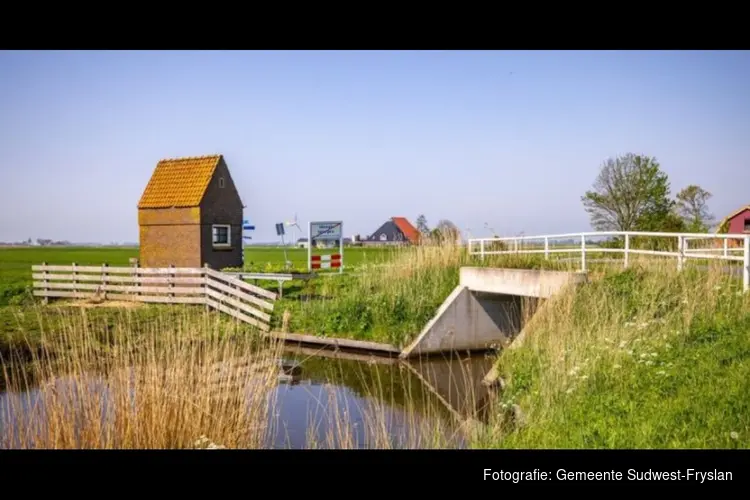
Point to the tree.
(445, 231)
(692, 207)
(422, 226)
(630, 193)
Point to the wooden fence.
(171, 285)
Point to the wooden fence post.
(205, 285)
(136, 278)
(105, 281)
(45, 299)
(75, 282)
(171, 280)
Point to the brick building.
(190, 214)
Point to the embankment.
(637, 359)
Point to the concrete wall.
(522, 282)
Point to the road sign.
(325, 231)
(280, 229)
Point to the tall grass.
(106, 388)
(195, 380)
(391, 303)
(639, 358)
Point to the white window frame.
(229, 235)
(383, 237)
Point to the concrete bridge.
(488, 308)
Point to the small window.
(383, 236)
(221, 182)
(747, 225)
(221, 236)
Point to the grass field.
(16, 262)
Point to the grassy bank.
(639, 359)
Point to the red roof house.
(396, 231)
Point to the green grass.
(15, 263)
(638, 359)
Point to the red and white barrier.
(325, 261)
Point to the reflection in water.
(322, 399)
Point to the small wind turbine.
(295, 225)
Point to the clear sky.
(511, 139)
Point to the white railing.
(733, 248)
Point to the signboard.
(280, 229)
(326, 231)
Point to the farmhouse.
(190, 214)
(738, 222)
(396, 231)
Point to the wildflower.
(616, 367)
(668, 345)
(584, 377)
(734, 435)
(569, 391)
(623, 344)
(628, 324)
(649, 363)
(643, 355)
(661, 372)
(630, 352)
(653, 354)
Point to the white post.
(627, 249)
(309, 247)
(583, 252)
(746, 266)
(341, 249)
(546, 248)
(481, 249)
(680, 251)
(726, 247)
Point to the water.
(335, 400)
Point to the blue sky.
(511, 139)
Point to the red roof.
(410, 232)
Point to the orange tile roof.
(179, 182)
(410, 232)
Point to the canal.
(316, 399)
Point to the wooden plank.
(239, 305)
(239, 293)
(246, 286)
(120, 279)
(184, 290)
(172, 270)
(336, 342)
(159, 299)
(83, 269)
(62, 293)
(322, 352)
(237, 314)
(126, 270)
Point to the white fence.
(732, 247)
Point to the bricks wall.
(178, 245)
